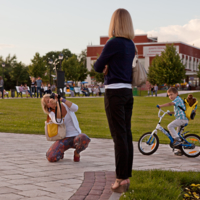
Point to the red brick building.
(148, 48)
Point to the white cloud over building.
(188, 33)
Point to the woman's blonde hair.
(44, 105)
(121, 25)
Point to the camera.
(52, 96)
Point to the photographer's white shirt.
(70, 120)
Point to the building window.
(190, 64)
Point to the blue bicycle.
(149, 142)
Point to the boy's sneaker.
(178, 153)
(177, 142)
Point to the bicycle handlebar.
(164, 113)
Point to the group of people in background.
(94, 88)
(153, 89)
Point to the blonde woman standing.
(115, 62)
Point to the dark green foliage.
(54, 55)
(74, 69)
(99, 77)
(166, 68)
(19, 74)
(11, 63)
(38, 66)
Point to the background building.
(148, 48)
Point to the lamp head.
(50, 61)
(60, 56)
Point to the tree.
(166, 68)
(82, 71)
(10, 62)
(70, 67)
(74, 70)
(38, 67)
(54, 55)
(19, 74)
(82, 57)
(99, 77)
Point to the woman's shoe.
(120, 188)
(76, 157)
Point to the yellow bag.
(54, 132)
(189, 110)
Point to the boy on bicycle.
(181, 118)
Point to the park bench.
(18, 91)
(65, 91)
(5, 94)
(90, 91)
(77, 90)
(102, 91)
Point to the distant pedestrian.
(1, 86)
(48, 91)
(152, 90)
(149, 89)
(39, 85)
(33, 85)
(155, 89)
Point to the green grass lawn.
(25, 115)
(160, 185)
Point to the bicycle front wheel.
(194, 150)
(148, 144)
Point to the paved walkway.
(179, 92)
(25, 174)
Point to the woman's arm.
(166, 104)
(109, 50)
(72, 107)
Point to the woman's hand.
(105, 71)
(52, 103)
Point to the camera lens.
(52, 96)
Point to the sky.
(30, 26)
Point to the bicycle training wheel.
(193, 151)
(148, 144)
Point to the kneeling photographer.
(64, 113)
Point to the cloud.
(3, 46)
(188, 33)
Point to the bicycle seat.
(182, 127)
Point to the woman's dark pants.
(118, 106)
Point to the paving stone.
(33, 193)
(95, 192)
(92, 197)
(77, 197)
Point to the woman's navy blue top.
(118, 53)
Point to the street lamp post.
(60, 58)
(3, 65)
(50, 63)
(59, 74)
